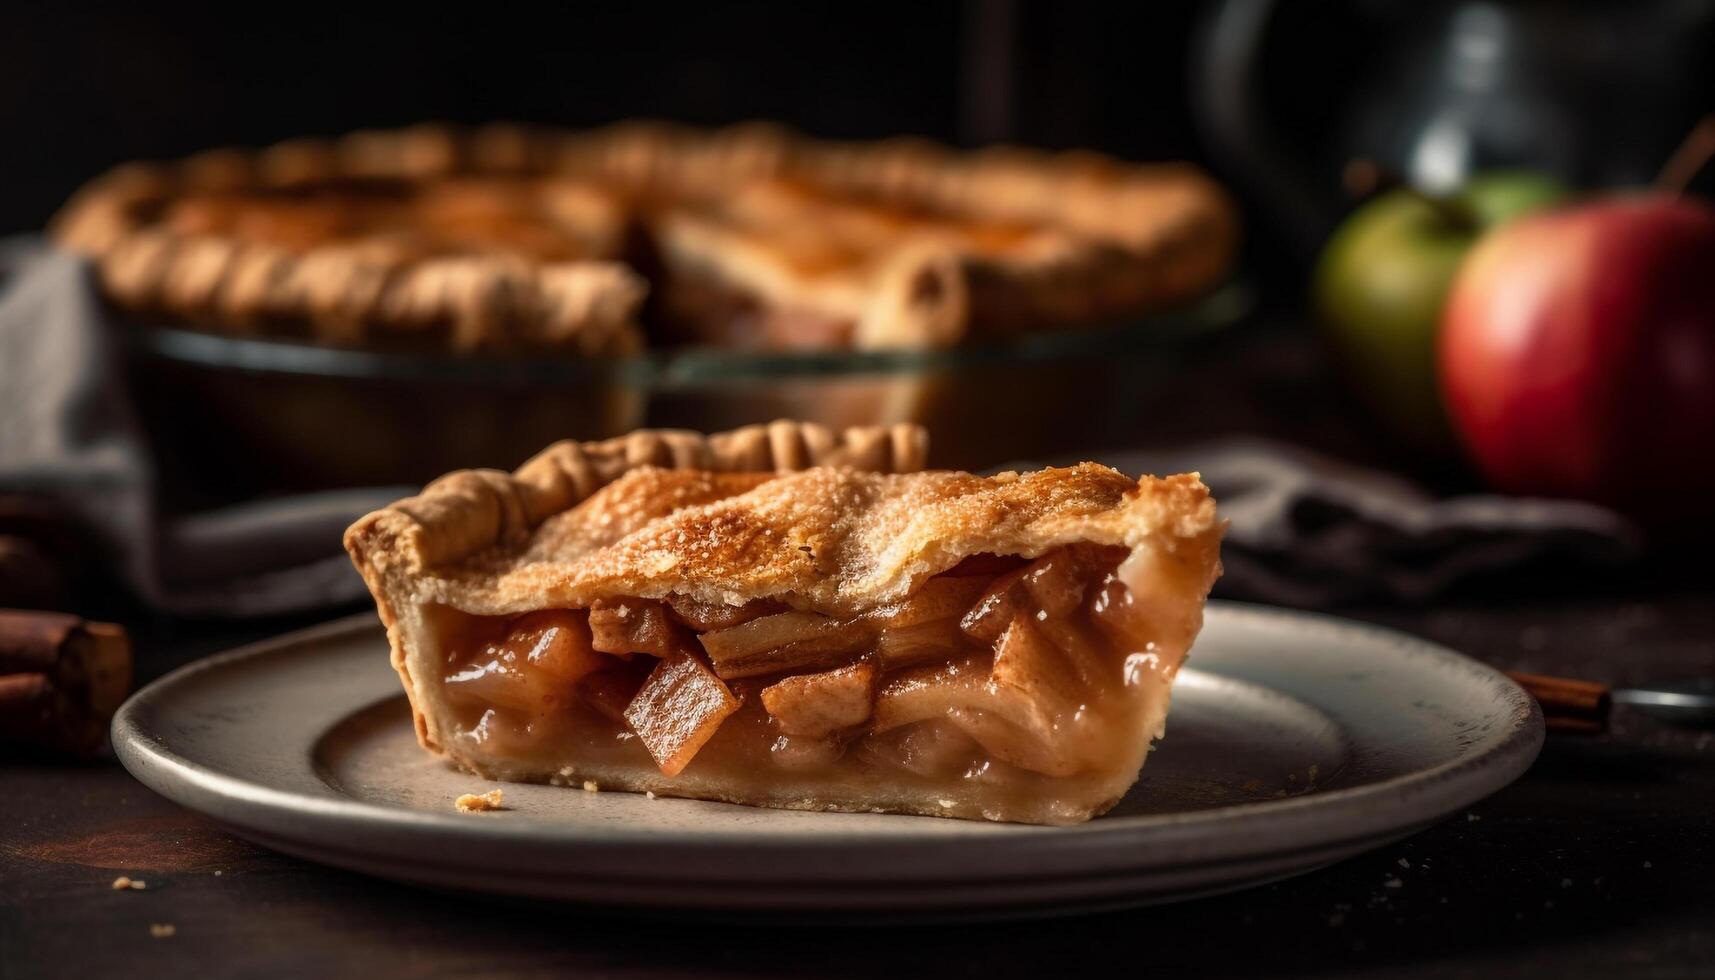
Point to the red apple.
(1577, 355)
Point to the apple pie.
(516, 238)
(788, 617)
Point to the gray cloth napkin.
(1306, 530)
(68, 434)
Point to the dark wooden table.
(1599, 861)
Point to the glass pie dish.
(300, 416)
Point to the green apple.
(1382, 281)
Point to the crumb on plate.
(162, 930)
(122, 883)
(477, 802)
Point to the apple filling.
(1005, 688)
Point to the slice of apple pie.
(785, 616)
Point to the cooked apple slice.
(999, 604)
(1046, 685)
(820, 704)
(557, 642)
(1056, 582)
(634, 626)
(491, 681)
(962, 695)
(678, 709)
(935, 749)
(833, 649)
(1021, 707)
(924, 693)
(921, 643)
(766, 633)
(532, 668)
(938, 598)
(706, 616)
(1013, 743)
(1040, 688)
(1083, 647)
(789, 641)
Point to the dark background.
(85, 89)
(1599, 92)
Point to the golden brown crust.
(343, 289)
(827, 540)
(468, 511)
(475, 513)
(1110, 238)
(913, 245)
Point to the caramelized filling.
(999, 671)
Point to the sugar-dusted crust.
(830, 540)
(467, 522)
(1111, 238)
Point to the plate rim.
(1370, 811)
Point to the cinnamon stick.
(61, 680)
(1568, 705)
(28, 577)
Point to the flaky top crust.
(483, 513)
(834, 541)
(830, 538)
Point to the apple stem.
(1692, 155)
(1364, 178)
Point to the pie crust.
(511, 237)
(370, 239)
(787, 617)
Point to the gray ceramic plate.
(1294, 741)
